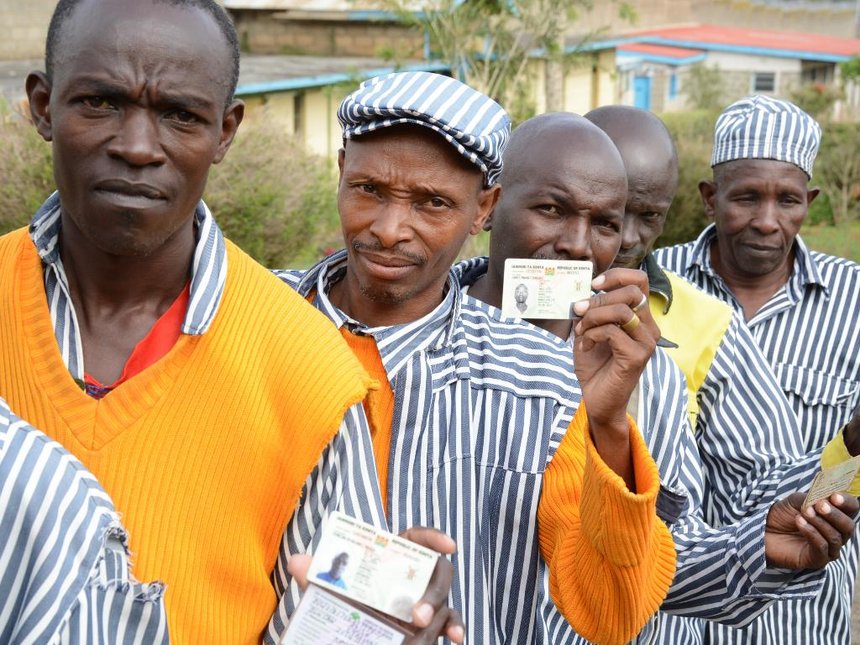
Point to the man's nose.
(766, 220)
(392, 223)
(629, 233)
(575, 241)
(138, 140)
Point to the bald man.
(564, 195)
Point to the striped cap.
(474, 124)
(760, 127)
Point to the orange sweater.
(206, 452)
(597, 537)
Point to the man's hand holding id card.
(360, 580)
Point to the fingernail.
(810, 512)
(599, 280)
(801, 521)
(456, 634)
(424, 613)
(579, 308)
(824, 508)
(578, 329)
(838, 499)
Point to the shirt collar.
(396, 343)
(658, 281)
(805, 271)
(208, 269)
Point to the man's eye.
(437, 202)
(550, 209)
(97, 103)
(183, 116)
(650, 216)
(367, 188)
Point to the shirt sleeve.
(722, 573)
(610, 560)
(751, 445)
(344, 479)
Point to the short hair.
(65, 8)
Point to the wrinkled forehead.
(143, 41)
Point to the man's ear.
(39, 96)
(340, 157)
(233, 116)
(811, 194)
(708, 189)
(487, 201)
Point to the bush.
(25, 168)
(273, 198)
(693, 135)
(837, 170)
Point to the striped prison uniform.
(463, 375)
(65, 575)
(810, 334)
(766, 467)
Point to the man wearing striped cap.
(477, 424)
(802, 307)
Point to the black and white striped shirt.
(810, 334)
(481, 404)
(65, 575)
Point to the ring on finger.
(631, 324)
(642, 304)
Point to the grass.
(843, 240)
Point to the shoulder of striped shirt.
(525, 357)
(291, 276)
(844, 266)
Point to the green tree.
(837, 170)
(704, 88)
(488, 43)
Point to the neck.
(488, 288)
(751, 291)
(100, 280)
(347, 296)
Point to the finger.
(817, 544)
(616, 278)
(619, 314)
(836, 517)
(848, 504)
(455, 629)
(297, 566)
(818, 519)
(435, 597)
(432, 632)
(622, 343)
(431, 538)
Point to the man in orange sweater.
(205, 398)
(478, 424)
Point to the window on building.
(673, 85)
(764, 82)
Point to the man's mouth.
(130, 194)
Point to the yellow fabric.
(834, 453)
(610, 560)
(379, 404)
(697, 322)
(204, 453)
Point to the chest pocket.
(818, 388)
